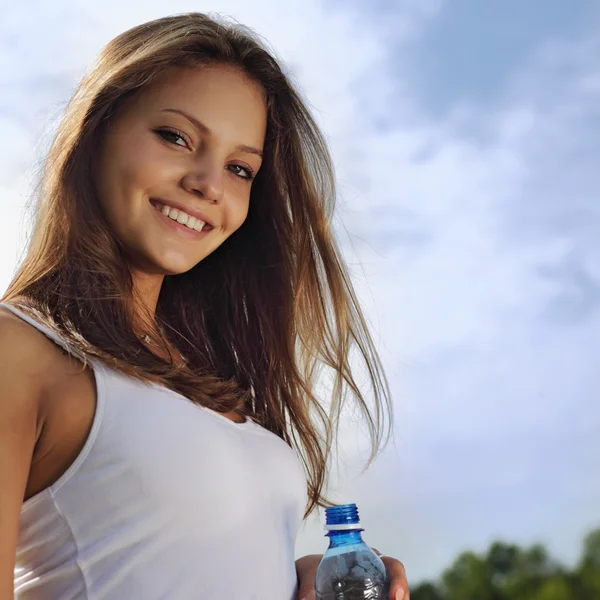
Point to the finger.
(398, 582)
(307, 569)
(397, 574)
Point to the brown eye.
(249, 172)
(166, 133)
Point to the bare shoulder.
(24, 350)
(25, 360)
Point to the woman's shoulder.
(25, 365)
(18, 335)
(25, 350)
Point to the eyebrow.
(202, 127)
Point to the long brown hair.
(261, 318)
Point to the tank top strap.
(55, 337)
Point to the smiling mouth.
(180, 217)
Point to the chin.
(178, 269)
(173, 265)
(168, 260)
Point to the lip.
(186, 209)
(180, 229)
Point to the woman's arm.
(21, 368)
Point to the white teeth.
(182, 217)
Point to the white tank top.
(167, 500)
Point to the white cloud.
(498, 410)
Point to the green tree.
(507, 572)
(469, 578)
(503, 561)
(555, 588)
(533, 566)
(589, 567)
(426, 591)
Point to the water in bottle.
(349, 570)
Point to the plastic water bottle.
(349, 570)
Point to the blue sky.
(465, 137)
(471, 49)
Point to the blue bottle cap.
(344, 516)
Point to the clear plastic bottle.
(349, 570)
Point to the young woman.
(160, 434)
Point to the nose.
(207, 181)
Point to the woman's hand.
(306, 568)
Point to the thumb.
(306, 591)
(307, 567)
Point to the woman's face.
(160, 174)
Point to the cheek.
(122, 189)
(238, 213)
